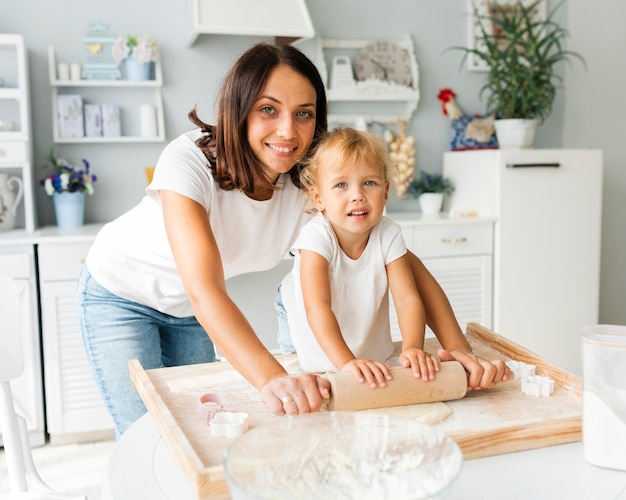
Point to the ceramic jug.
(9, 200)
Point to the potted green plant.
(430, 189)
(521, 51)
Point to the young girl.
(346, 259)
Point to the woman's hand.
(424, 365)
(295, 394)
(374, 372)
(482, 374)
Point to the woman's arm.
(440, 317)
(200, 266)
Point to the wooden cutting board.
(483, 423)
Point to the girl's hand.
(295, 394)
(423, 364)
(374, 372)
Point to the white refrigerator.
(547, 205)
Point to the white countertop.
(49, 234)
(141, 466)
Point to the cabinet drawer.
(16, 265)
(61, 261)
(448, 240)
(12, 151)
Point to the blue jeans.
(284, 334)
(116, 330)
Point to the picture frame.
(474, 63)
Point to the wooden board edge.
(190, 464)
(518, 438)
(512, 350)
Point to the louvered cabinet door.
(459, 254)
(74, 409)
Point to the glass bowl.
(341, 455)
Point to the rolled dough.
(424, 413)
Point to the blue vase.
(137, 71)
(69, 208)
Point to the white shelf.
(148, 86)
(15, 145)
(392, 102)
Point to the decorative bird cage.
(97, 44)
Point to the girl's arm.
(323, 322)
(411, 319)
(440, 317)
(200, 267)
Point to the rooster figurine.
(468, 132)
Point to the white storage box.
(70, 115)
(111, 120)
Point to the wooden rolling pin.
(346, 393)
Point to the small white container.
(604, 395)
(63, 71)
(75, 72)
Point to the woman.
(224, 200)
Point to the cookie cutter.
(521, 369)
(210, 405)
(537, 385)
(229, 424)
(223, 423)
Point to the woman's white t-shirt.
(131, 256)
(359, 291)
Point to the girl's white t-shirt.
(359, 291)
(131, 256)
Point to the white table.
(141, 466)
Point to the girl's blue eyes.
(343, 185)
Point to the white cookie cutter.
(229, 424)
(537, 386)
(521, 369)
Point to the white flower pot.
(516, 133)
(431, 203)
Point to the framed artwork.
(483, 8)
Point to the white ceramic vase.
(516, 133)
(9, 199)
(431, 203)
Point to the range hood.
(276, 18)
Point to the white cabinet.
(18, 262)
(371, 100)
(547, 207)
(129, 95)
(15, 129)
(458, 253)
(74, 408)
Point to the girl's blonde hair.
(341, 146)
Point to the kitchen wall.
(586, 113)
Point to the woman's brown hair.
(225, 144)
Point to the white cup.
(147, 118)
(63, 71)
(75, 72)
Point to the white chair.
(24, 479)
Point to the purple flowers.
(67, 177)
